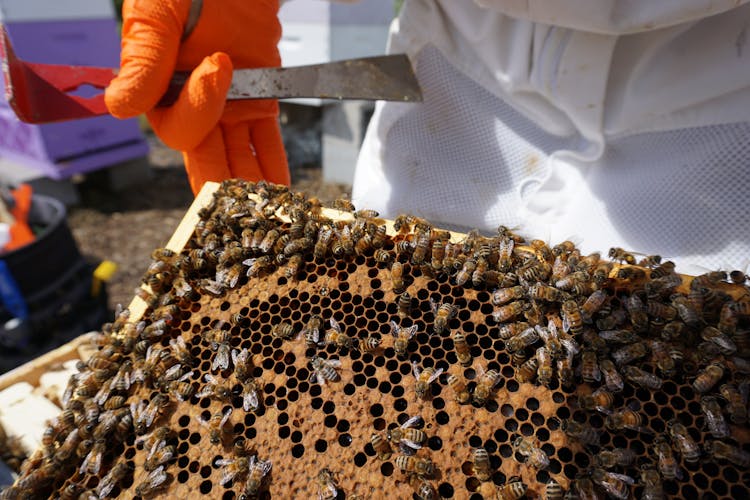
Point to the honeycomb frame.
(303, 427)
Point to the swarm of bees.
(460, 322)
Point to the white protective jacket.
(613, 122)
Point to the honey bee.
(297, 246)
(666, 460)
(370, 344)
(736, 405)
(397, 277)
(485, 386)
(626, 419)
(422, 488)
(683, 442)
(565, 370)
(462, 348)
(726, 345)
(159, 457)
(459, 388)
(572, 319)
(327, 487)
(653, 488)
(616, 485)
(311, 331)
(421, 247)
(242, 364)
(612, 379)
(466, 271)
(527, 370)
(155, 481)
(686, 311)
(621, 255)
(343, 205)
(343, 244)
(219, 390)
(232, 468)
(216, 423)
(545, 370)
(112, 478)
(324, 369)
(381, 446)
(540, 291)
(643, 378)
(424, 378)
(64, 451)
(180, 350)
(637, 312)
(145, 415)
(512, 329)
(572, 280)
(406, 436)
(402, 336)
(661, 311)
(382, 256)
(504, 295)
(717, 425)
(404, 305)
(708, 378)
(628, 354)
(522, 340)
(720, 450)
(534, 456)
(320, 249)
(584, 433)
(335, 336)
(510, 311)
(443, 313)
(631, 274)
(514, 489)
(601, 400)
(410, 464)
(294, 266)
(590, 369)
(250, 399)
(268, 241)
(481, 463)
(282, 330)
(608, 459)
(257, 265)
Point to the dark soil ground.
(125, 225)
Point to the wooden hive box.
(351, 436)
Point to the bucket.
(46, 288)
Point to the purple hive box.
(59, 150)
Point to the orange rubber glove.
(219, 139)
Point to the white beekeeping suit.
(616, 122)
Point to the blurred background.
(106, 192)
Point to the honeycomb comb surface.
(303, 426)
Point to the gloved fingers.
(207, 162)
(197, 110)
(243, 163)
(151, 33)
(265, 135)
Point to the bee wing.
(415, 369)
(435, 375)
(335, 363)
(156, 447)
(335, 325)
(221, 359)
(250, 401)
(331, 489)
(412, 422)
(227, 413)
(409, 447)
(157, 477)
(173, 372)
(264, 466)
(395, 329)
(434, 306)
(409, 332)
(621, 477)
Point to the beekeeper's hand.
(247, 145)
